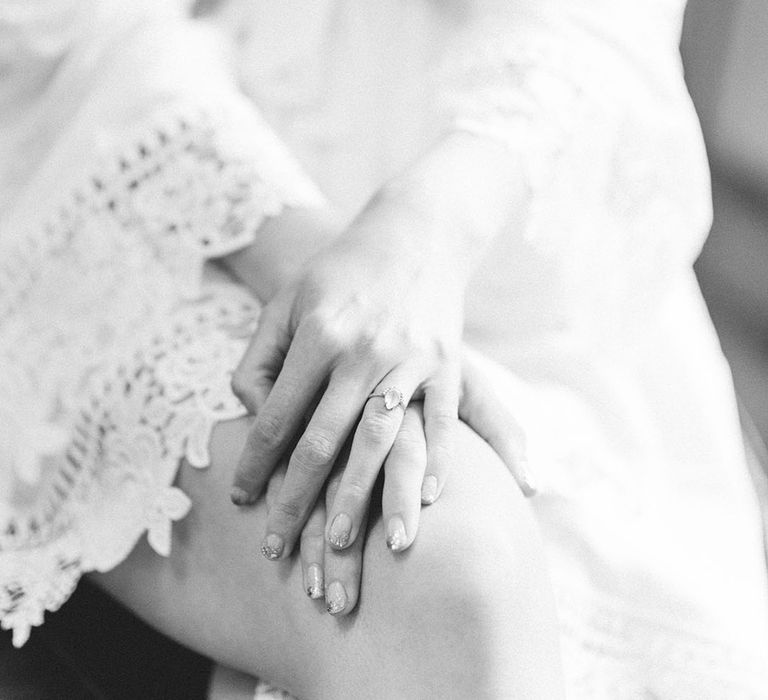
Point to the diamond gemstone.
(392, 398)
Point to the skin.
(380, 307)
(322, 563)
(430, 626)
(404, 443)
(402, 451)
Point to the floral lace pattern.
(116, 342)
(116, 348)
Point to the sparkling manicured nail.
(341, 529)
(272, 546)
(313, 581)
(396, 537)
(240, 497)
(335, 598)
(429, 489)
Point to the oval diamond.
(392, 398)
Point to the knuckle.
(377, 346)
(355, 490)
(377, 425)
(333, 483)
(288, 512)
(268, 430)
(383, 352)
(444, 423)
(408, 441)
(415, 344)
(440, 458)
(323, 330)
(367, 343)
(313, 538)
(316, 449)
(314, 323)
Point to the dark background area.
(94, 649)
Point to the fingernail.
(396, 537)
(429, 489)
(528, 485)
(313, 582)
(272, 546)
(335, 598)
(240, 497)
(341, 529)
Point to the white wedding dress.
(131, 152)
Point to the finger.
(316, 452)
(312, 551)
(481, 408)
(275, 484)
(280, 418)
(254, 376)
(441, 422)
(374, 436)
(403, 475)
(343, 568)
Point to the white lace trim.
(116, 350)
(157, 407)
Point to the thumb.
(255, 375)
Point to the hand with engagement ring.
(374, 322)
(336, 574)
(360, 321)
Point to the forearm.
(281, 248)
(451, 201)
(460, 194)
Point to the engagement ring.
(392, 398)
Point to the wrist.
(402, 233)
(459, 194)
(282, 248)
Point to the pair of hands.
(381, 307)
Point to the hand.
(483, 410)
(382, 307)
(334, 574)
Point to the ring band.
(392, 396)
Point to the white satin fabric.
(587, 307)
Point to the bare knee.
(470, 602)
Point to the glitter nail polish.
(335, 598)
(313, 581)
(341, 531)
(272, 546)
(396, 536)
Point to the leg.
(227, 684)
(466, 612)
